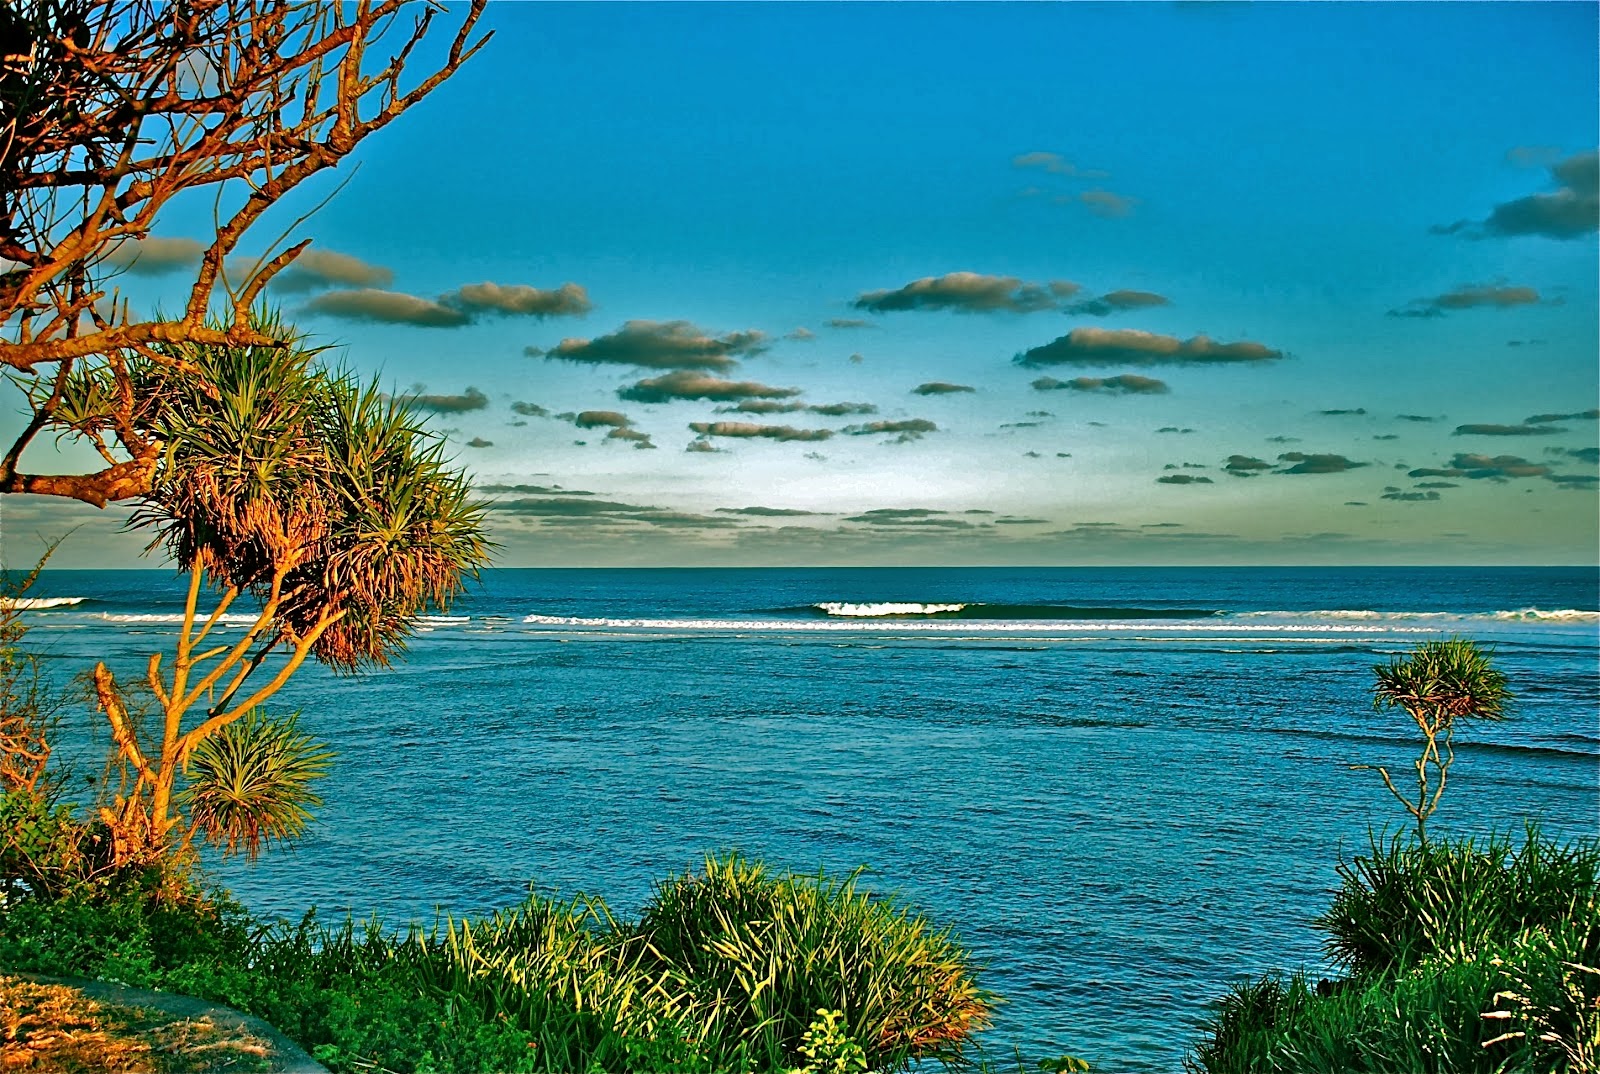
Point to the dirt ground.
(63, 1025)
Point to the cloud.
(1173, 429)
(568, 300)
(661, 345)
(1343, 413)
(691, 384)
(1571, 211)
(1470, 296)
(154, 255)
(534, 490)
(1437, 485)
(1009, 521)
(848, 323)
(599, 419)
(479, 442)
(1183, 479)
(471, 399)
(801, 334)
(1101, 346)
(1055, 164)
(1316, 464)
(1122, 384)
(765, 512)
(317, 269)
(1484, 467)
(1587, 454)
(529, 410)
(856, 359)
(841, 410)
(386, 307)
(1414, 417)
(640, 440)
(1575, 481)
(969, 292)
(904, 430)
(1544, 419)
(1107, 205)
(1118, 302)
(747, 430)
(703, 447)
(831, 410)
(1507, 430)
(941, 387)
(909, 516)
(1246, 465)
(600, 512)
(1411, 497)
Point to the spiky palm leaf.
(250, 783)
(1441, 682)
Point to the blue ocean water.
(1123, 788)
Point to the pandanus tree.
(1439, 684)
(315, 502)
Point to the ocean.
(1123, 788)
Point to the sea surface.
(1123, 788)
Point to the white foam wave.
(1520, 615)
(869, 611)
(33, 604)
(174, 617)
(443, 620)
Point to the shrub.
(1409, 901)
(763, 953)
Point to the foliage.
(1473, 958)
(763, 953)
(827, 1046)
(249, 784)
(1438, 684)
(1408, 902)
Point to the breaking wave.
(34, 604)
(912, 610)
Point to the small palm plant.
(328, 504)
(1437, 684)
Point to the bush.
(1411, 901)
(763, 953)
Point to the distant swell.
(910, 610)
(1517, 615)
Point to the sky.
(792, 284)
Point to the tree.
(1438, 684)
(109, 109)
(320, 498)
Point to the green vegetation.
(1467, 956)
(550, 985)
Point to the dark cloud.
(1471, 296)
(1571, 211)
(969, 292)
(529, 410)
(1410, 497)
(1103, 346)
(1108, 205)
(599, 419)
(1437, 485)
(1484, 467)
(1343, 413)
(471, 399)
(317, 269)
(703, 447)
(841, 410)
(1575, 481)
(692, 384)
(849, 323)
(940, 387)
(909, 517)
(1009, 521)
(1387, 436)
(387, 307)
(903, 430)
(154, 256)
(856, 359)
(1117, 302)
(479, 442)
(801, 335)
(1246, 465)
(661, 345)
(1507, 430)
(747, 430)
(519, 300)
(1121, 384)
(638, 439)
(1055, 164)
(1183, 479)
(762, 406)
(1283, 439)
(1173, 429)
(594, 512)
(1316, 464)
(764, 512)
(1545, 419)
(1587, 454)
(1414, 417)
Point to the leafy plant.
(251, 783)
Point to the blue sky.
(1233, 218)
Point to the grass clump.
(1477, 957)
